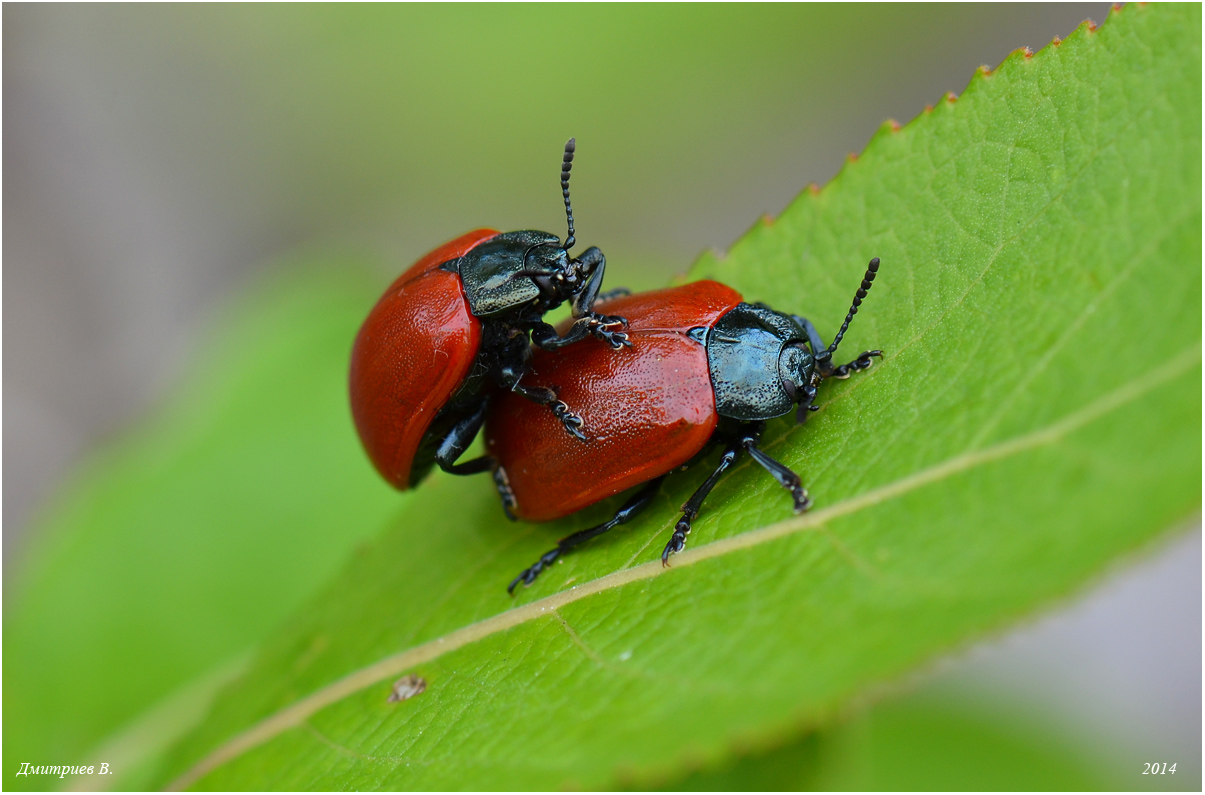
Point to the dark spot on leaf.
(407, 687)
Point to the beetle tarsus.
(677, 542)
(863, 362)
(571, 421)
(612, 294)
(547, 397)
(802, 501)
(635, 504)
(599, 327)
(505, 492)
(528, 576)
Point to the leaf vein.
(300, 711)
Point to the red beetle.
(705, 368)
(458, 319)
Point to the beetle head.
(552, 270)
(796, 370)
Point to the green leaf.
(177, 549)
(923, 741)
(1037, 417)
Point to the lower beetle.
(458, 320)
(706, 368)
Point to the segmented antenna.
(871, 270)
(566, 166)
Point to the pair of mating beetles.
(446, 350)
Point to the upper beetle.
(705, 368)
(459, 318)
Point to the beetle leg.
(509, 375)
(690, 510)
(814, 338)
(546, 397)
(544, 336)
(505, 492)
(865, 360)
(459, 437)
(635, 504)
(594, 265)
(786, 478)
(611, 295)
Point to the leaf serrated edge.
(890, 127)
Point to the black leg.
(505, 492)
(745, 440)
(690, 510)
(509, 379)
(786, 478)
(637, 503)
(593, 265)
(610, 295)
(459, 437)
(813, 335)
(863, 362)
(599, 326)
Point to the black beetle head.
(552, 270)
(796, 368)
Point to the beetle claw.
(571, 421)
(600, 328)
(802, 501)
(677, 542)
(528, 575)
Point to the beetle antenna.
(566, 166)
(867, 279)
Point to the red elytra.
(667, 414)
(411, 355)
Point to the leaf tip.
(852, 157)
(951, 97)
(813, 189)
(1056, 41)
(1091, 23)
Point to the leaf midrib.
(297, 713)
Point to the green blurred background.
(161, 159)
